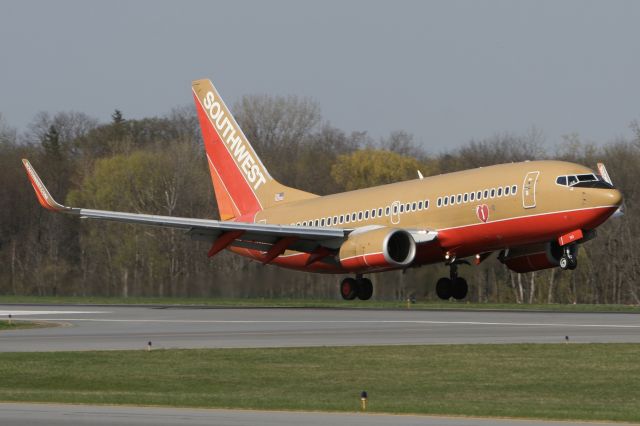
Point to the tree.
(370, 167)
(277, 126)
(116, 117)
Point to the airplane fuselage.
(474, 211)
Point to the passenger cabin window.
(472, 197)
(341, 219)
(452, 199)
(500, 192)
(420, 205)
(507, 190)
(414, 206)
(514, 189)
(439, 202)
(387, 210)
(493, 192)
(401, 208)
(426, 204)
(445, 201)
(359, 215)
(465, 197)
(485, 195)
(379, 211)
(459, 199)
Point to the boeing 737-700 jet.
(533, 214)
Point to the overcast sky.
(446, 71)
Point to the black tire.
(564, 263)
(459, 288)
(573, 263)
(443, 288)
(348, 289)
(365, 289)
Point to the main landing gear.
(454, 286)
(360, 287)
(569, 259)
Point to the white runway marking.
(5, 313)
(508, 324)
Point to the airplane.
(534, 214)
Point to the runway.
(132, 327)
(59, 415)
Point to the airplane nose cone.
(614, 196)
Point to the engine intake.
(378, 248)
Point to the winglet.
(45, 199)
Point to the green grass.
(308, 303)
(16, 325)
(564, 381)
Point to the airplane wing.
(269, 238)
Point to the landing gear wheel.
(573, 263)
(569, 259)
(459, 288)
(564, 263)
(348, 289)
(443, 288)
(569, 263)
(365, 289)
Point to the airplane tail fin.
(242, 184)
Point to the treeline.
(157, 166)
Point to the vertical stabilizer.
(241, 182)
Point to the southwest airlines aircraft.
(533, 214)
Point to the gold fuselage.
(547, 197)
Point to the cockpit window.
(583, 181)
(587, 178)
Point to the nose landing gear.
(360, 287)
(454, 286)
(569, 259)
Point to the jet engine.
(377, 248)
(533, 257)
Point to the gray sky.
(446, 71)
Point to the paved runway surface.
(54, 415)
(131, 327)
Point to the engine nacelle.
(534, 257)
(377, 248)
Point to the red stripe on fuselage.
(237, 186)
(490, 236)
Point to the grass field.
(565, 381)
(15, 325)
(309, 303)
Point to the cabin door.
(529, 190)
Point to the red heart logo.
(482, 211)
